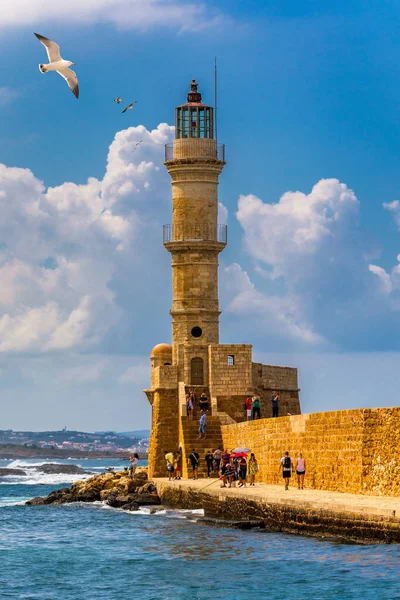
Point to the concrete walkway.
(385, 506)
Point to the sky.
(308, 108)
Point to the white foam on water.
(12, 501)
(20, 464)
(37, 478)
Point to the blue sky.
(309, 98)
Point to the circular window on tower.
(197, 332)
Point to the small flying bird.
(129, 107)
(118, 100)
(137, 145)
(58, 64)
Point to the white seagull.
(118, 100)
(58, 64)
(129, 107)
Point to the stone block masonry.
(329, 515)
(355, 451)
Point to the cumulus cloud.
(62, 247)
(394, 208)
(129, 14)
(314, 259)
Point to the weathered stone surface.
(8, 472)
(356, 451)
(116, 489)
(281, 516)
(54, 468)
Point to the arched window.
(196, 371)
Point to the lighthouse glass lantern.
(194, 119)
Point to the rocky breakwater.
(115, 489)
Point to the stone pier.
(338, 516)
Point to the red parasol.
(238, 454)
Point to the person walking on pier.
(287, 468)
(209, 462)
(203, 426)
(194, 459)
(275, 404)
(300, 471)
(253, 468)
(255, 406)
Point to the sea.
(94, 552)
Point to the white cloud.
(394, 208)
(130, 14)
(276, 314)
(316, 281)
(222, 214)
(61, 248)
(138, 374)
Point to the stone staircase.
(190, 441)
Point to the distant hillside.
(140, 433)
(13, 451)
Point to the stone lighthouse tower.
(194, 162)
(196, 360)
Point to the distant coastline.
(14, 451)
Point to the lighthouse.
(195, 238)
(195, 360)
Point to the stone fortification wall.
(164, 429)
(267, 379)
(356, 451)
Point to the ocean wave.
(20, 463)
(12, 501)
(37, 478)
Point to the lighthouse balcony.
(195, 233)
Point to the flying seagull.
(129, 107)
(118, 100)
(58, 64)
(137, 145)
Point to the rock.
(119, 500)
(148, 488)
(54, 468)
(117, 489)
(8, 472)
(132, 506)
(147, 499)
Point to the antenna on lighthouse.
(215, 102)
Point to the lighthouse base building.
(196, 360)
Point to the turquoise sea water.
(88, 552)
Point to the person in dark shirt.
(194, 459)
(225, 459)
(209, 462)
(275, 404)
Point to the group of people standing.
(191, 403)
(234, 467)
(230, 467)
(252, 406)
(174, 464)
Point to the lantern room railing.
(194, 150)
(195, 233)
